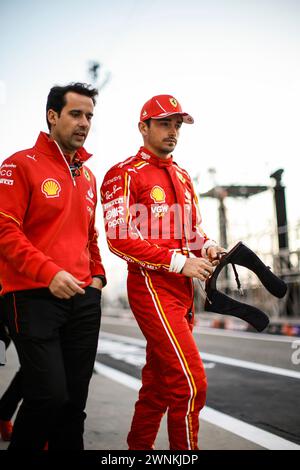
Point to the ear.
(52, 116)
(143, 128)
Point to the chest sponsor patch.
(6, 181)
(8, 165)
(159, 210)
(110, 194)
(6, 173)
(51, 188)
(115, 202)
(112, 180)
(158, 195)
(115, 212)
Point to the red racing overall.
(139, 196)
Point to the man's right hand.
(65, 286)
(200, 268)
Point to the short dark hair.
(56, 99)
(147, 122)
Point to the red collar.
(150, 157)
(47, 146)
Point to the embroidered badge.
(86, 174)
(158, 195)
(51, 188)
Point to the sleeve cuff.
(103, 279)
(177, 263)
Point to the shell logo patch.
(158, 195)
(173, 102)
(51, 188)
(86, 174)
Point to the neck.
(159, 154)
(70, 153)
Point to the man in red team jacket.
(51, 272)
(153, 222)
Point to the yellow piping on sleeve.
(11, 217)
(135, 259)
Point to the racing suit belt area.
(173, 377)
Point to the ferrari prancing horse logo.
(86, 174)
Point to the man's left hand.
(97, 283)
(214, 254)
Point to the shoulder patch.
(141, 164)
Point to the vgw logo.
(296, 354)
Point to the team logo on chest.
(158, 195)
(51, 188)
(86, 174)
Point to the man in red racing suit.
(153, 222)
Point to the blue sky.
(233, 64)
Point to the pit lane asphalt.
(110, 404)
(265, 400)
(109, 412)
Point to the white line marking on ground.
(118, 376)
(126, 339)
(230, 361)
(130, 353)
(205, 330)
(247, 431)
(240, 428)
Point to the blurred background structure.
(275, 250)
